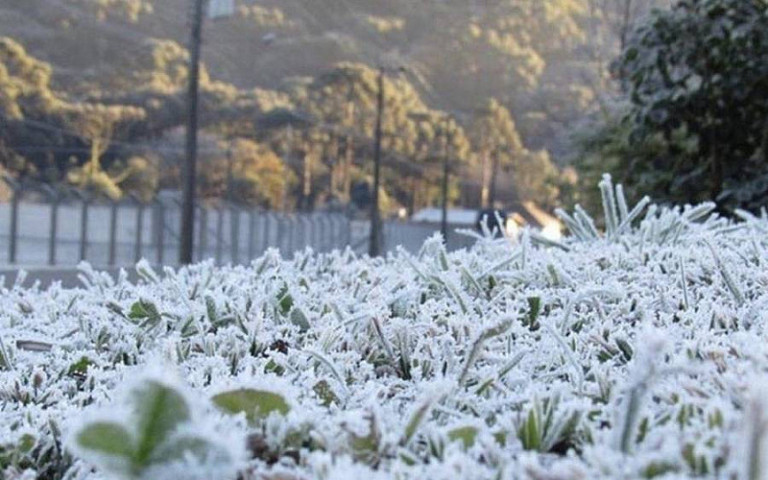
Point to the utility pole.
(447, 139)
(494, 174)
(374, 248)
(190, 166)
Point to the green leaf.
(159, 410)
(466, 435)
(80, 367)
(417, 418)
(256, 404)
(285, 300)
(625, 348)
(364, 448)
(147, 312)
(534, 303)
(26, 443)
(143, 309)
(299, 319)
(530, 432)
(106, 438)
(210, 308)
(325, 393)
(500, 437)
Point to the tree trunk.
(334, 160)
(307, 179)
(625, 24)
(485, 191)
(347, 172)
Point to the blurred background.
(518, 105)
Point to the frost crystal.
(632, 353)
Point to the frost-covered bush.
(638, 352)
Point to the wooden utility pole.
(374, 247)
(494, 175)
(190, 166)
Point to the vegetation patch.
(634, 352)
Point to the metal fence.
(411, 235)
(45, 226)
(60, 227)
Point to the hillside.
(537, 67)
(99, 40)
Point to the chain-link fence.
(45, 226)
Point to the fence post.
(338, 236)
(203, 233)
(323, 244)
(160, 209)
(268, 217)
(112, 234)
(348, 230)
(280, 232)
(85, 199)
(139, 229)
(53, 195)
(234, 233)
(15, 196)
(333, 235)
(302, 228)
(251, 234)
(219, 234)
(312, 231)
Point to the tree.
(127, 9)
(25, 82)
(500, 148)
(700, 71)
(340, 105)
(258, 175)
(96, 125)
(496, 141)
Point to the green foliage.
(125, 9)
(547, 426)
(696, 76)
(150, 439)
(458, 59)
(466, 435)
(80, 367)
(255, 404)
(145, 314)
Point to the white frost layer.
(647, 357)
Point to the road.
(47, 276)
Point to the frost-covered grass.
(638, 352)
